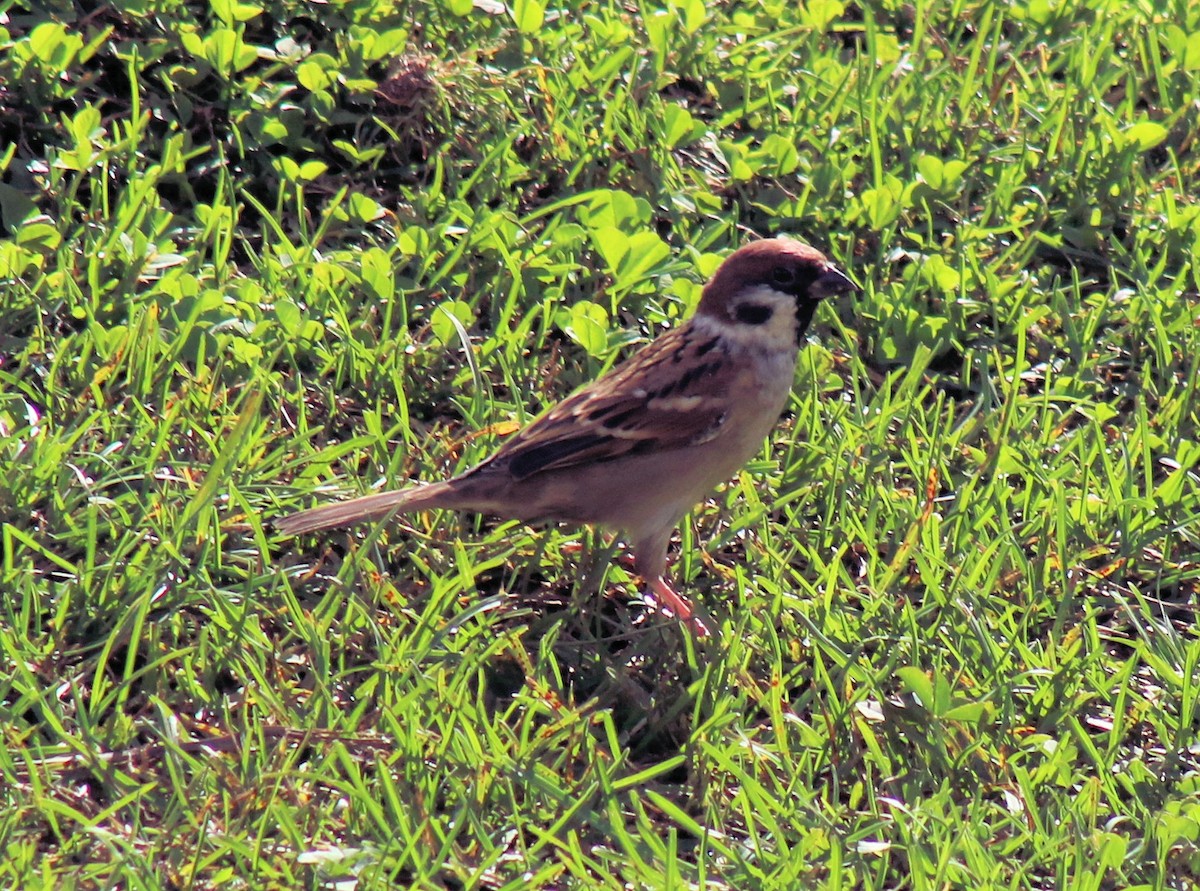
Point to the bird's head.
(773, 285)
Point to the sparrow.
(636, 449)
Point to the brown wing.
(667, 395)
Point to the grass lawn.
(256, 256)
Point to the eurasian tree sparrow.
(636, 449)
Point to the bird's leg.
(659, 592)
(666, 596)
(650, 562)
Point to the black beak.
(830, 283)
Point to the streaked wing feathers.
(671, 394)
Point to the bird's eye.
(782, 276)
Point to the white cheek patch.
(777, 332)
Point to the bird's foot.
(665, 597)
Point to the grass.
(253, 257)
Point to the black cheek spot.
(753, 313)
(707, 347)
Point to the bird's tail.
(369, 508)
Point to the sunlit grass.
(251, 261)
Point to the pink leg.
(666, 597)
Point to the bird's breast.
(766, 382)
